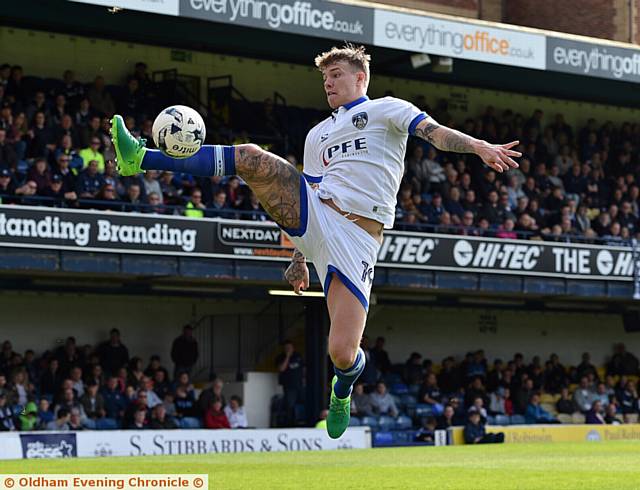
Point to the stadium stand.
(574, 184)
(104, 387)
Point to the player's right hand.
(298, 276)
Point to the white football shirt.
(357, 155)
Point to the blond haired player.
(356, 158)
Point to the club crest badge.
(360, 120)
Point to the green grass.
(604, 465)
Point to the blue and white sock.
(347, 377)
(210, 160)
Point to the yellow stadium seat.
(564, 418)
(578, 418)
(631, 418)
(547, 398)
(602, 372)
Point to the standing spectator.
(382, 401)
(184, 351)
(51, 379)
(290, 366)
(215, 418)
(475, 432)
(380, 356)
(113, 354)
(622, 362)
(235, 413)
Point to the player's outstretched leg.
(347, 324)
(275, 182)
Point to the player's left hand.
(498, 157)
(298, 276)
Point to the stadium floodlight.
(419, 60)
(286, 292)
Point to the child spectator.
(235, 413)
(214, 417)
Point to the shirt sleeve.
(312, 168)
(403, 115)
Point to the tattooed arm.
(498, 157)
(298, 273)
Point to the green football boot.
(129, 150)
(339, 413)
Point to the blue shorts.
(335, 245)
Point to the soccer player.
(356, 158)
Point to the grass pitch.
(597, 465)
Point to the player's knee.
(342, 357)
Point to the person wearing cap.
(475, 432)
(55, 190)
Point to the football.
(179, 131)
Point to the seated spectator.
(28, 419)
(92, 154)
(523, 395)
(139, 421)
(565, 403)
(169, 405)
(40, 174)
(45, 415)
(114, 400)
(476, 390)
(93, 403)
(55, 191)
(611, 415)
(7, 415)
(478, 406)
(427, 432)
(475, 432)
(583, 396)
(212, 392)
(596, 414)
(535, 414)
(361, 402)
(160, 384)
(187, 411)
(602, 394)
(628, 400)
(235, 413)
(500, 402)
(430, 394)
(89, 181)
(61, 422)
(152, 397)
(382, 402)
(75, 420)
(449, 418)
(159, 419)
(195, 207)
(214, 417)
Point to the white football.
(179, 131)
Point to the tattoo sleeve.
(444, 138)
(275, 182)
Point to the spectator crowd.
(76, 387)
(572, 184)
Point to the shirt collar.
(354, 103)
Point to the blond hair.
(354, 55)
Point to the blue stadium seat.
(502, 420)
(518, 420)
(403, 422)
(399, 389)
(409, 401)
(423, 410)
(370, 421)
(354, 422)
(414, 390)
(385, 422)
(491, 420)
